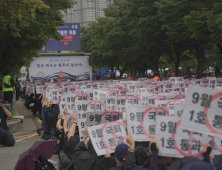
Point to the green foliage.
(25, 26)
(148, 34)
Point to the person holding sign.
(131, 159)
(121, 152)
(84, 157)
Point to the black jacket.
(84, 160)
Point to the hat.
(121, 149)
(198, 165)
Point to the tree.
(25, 26)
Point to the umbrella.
(26, 160)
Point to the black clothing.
(177, 165)
(8, 96)
(70, 146)
(6, 138)
(84, 160)
(154, 158)
(206, 155)
(131, 163)
(17, 95)
(3, 117)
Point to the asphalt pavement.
(25, 138)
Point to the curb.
(15, 126)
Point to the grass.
(13, 114)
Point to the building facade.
(86, 11)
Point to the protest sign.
(122, 91)
(107, 136)
(120, 103)
(81, 96)
(93, 106)
(89, 92)
(62, 106)
(81, 108)
(141, 122)
(71, 89)
(100, 117)
(178, 110)
(177, 142)
(216, 144)
(167, 87)
(218, 82)
(109, 102)
(202, 111)
(132, 101)
(69, 100)
(97, 94)
(53, 96)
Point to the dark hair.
(122, 159)
(155, 73)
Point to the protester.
(156, 78)
(61, 74)
(77, 152)
(17, 88)
(6, 137)
(172, 74)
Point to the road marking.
(17, 137)
(40, 122)
(30, 136)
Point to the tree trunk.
(200, 59)
(176, 69)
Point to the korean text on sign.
(107, 136)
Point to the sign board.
(107, 136)
(50, 67)
(100, 117)
(177, 142)
(70, 42)
(202, 111)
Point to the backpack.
(43, 163)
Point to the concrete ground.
(25, 138)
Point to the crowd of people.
(77, 152)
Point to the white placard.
(107, 136)
(81, 108)
(141, 122)
(177, 142)
(216, 144)
(100, 117)
(93, 106)
(202, 111)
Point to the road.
(24, 139)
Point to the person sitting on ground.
(121, 152)
(6, 137)
(85, 157)
(131, 159)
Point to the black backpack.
(43, 163)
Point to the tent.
(104, 72)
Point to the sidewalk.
(24, 138)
